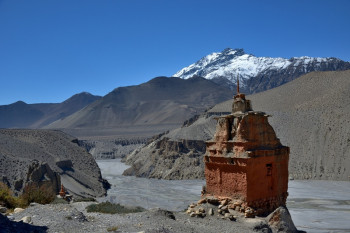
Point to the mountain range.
(23, 115)
(163, 103)
(153, 107)
(256, 73)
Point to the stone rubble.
(225, 207)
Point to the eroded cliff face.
(53, 157)
(168, 159)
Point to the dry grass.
(32, 193)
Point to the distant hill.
(22, 115)
(257, 73)
(155, 106)
(309, 114)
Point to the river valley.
(315, 206)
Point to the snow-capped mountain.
(256, 73)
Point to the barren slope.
(309, 114)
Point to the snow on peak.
(231, 63)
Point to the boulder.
(281, 221)
(27, 219)
(17, 210)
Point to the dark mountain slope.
(22, 115)
(159, 104)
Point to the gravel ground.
(74, 218)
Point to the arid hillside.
(309, 114)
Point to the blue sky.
(53, 49)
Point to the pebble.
(17, 210)
(3, 209)
(26, 219)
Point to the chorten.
(245, 161)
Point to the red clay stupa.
(245, 161)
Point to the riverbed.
(315, 206)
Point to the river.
(315, 206)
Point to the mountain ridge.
(23, 115)
(162, 101)
(256, 73)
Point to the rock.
(165, 213)
(192, 214)
(249, 213)
(201, 210)
(220, 206)
(33, 204)
(213, 200)
(232, 218)
(192, 205)
(281, 221)
(237, 203)
(224, 202)
(224, 208)
(27, 219)
(211, 211)
(3, 209)
(227, 215)
(17, 210)
(231, 211)
(201, 201)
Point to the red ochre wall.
(226, 180)
(264, 186)
(247, 178)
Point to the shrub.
(115, 228)
(85, 199)
(42, 195)
(6, 197)
(111, 208)
(59, 201)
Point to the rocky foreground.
(74, 218)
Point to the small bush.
(85, 199)
(42, 195)
(6, 197)
(115, 228)
(59, 201)
(111, 208)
